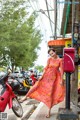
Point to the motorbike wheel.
(17, 108)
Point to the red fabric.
(49, 90)
(33, 79)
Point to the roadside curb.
(27, 112)
(36, 112)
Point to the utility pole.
(55, 17)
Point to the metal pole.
(68, 90)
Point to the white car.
(2, 73)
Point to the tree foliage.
(19, 39)
(40, 68)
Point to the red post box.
(69, 56)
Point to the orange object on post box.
(69, 57)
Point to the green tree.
(39, 68)
(19, 39)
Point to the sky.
(42, 53)
(46, 31)
(44, 25)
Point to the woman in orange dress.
(49, 89)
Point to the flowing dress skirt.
(48, 90)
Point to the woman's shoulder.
(49, 58)
(60, 59)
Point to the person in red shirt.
(32, 76)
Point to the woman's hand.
(40, 78)
(62, 83)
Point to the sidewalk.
(30, 113)
(41, 111)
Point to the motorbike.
(21, 88)
(8, 97)
(27, 82)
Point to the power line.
(49, 16)
(40, 22)
(46, 10)
(42, 11)
(31, 5)
(38, 7)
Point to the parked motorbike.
(27, 82)
(8, 97)
(21, 88)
